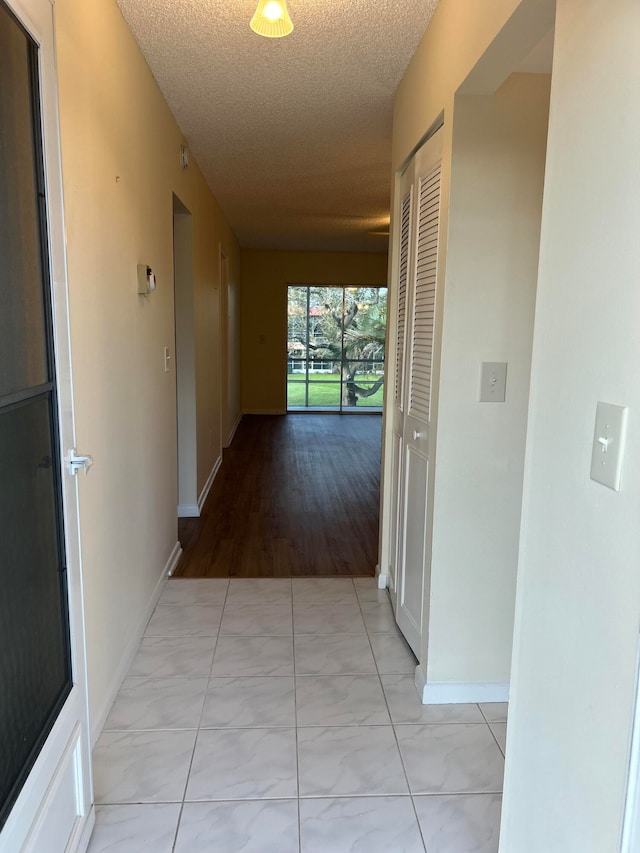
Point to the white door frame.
(185, 360)
(414, 427)
(394, 398)
(630, 842)
(55, 804)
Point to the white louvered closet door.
(424, 296)
(403, 267)
(413, 546)
(403, 275)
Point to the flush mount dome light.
(271, 19)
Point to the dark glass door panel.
(35, 668)
(23, 351)
(34, 660)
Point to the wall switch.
(493, 381)
(608, 444)
(167, 359)
(146, 280)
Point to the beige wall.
(475, 46)
(578, 598)
(577, 612)
(265, 276)
(120, 149)
(497, 176)
(452, 47)
(456, 39)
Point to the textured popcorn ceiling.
(293, 134)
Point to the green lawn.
(324, 391)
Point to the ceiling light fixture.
(271, 19)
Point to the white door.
(45, 774)
(413, 548)
(397, 403)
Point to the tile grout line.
(163, 678)
(295, 720)
(223, 728)
(284, 799)
(207, 678)
(195, 742)
(397, 727)
(493, 734)
(491, 730)
(393, 729)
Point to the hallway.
(275, 716)
(295, 495)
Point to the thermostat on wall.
(146, 280)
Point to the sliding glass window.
(335, 350)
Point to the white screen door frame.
(54, 811)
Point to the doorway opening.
(335, 348)
(297, 496)
(185, 360)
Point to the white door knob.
(417, 435)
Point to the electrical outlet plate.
(608, 445)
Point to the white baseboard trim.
(207, 486)
(188, 511)
(420, 680)
(265, 412)
(173, 560)
(233, 430)
(382, 579)
(456, 693)
(194, 510)
(132, 644)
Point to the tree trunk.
(349, 396)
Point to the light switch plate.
(493, 381)
(146, 280)
(608, 444)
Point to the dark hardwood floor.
(295, 495)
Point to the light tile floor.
(280, 716)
